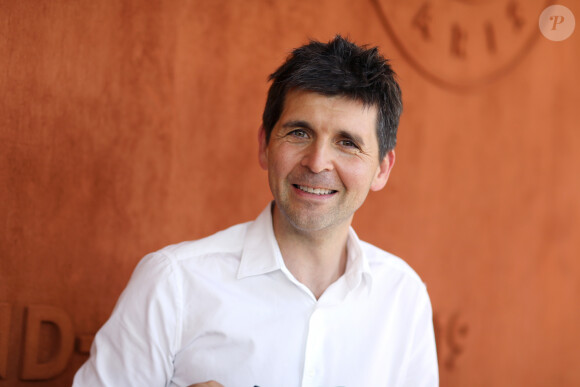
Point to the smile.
(315, 191)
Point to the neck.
(315, 258)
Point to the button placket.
(314, 355)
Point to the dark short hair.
(341, 68)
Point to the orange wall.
(128, 125)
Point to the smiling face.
(322, 159)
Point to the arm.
(422, 369)
(136, 345)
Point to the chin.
(311, 222)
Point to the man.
(293, 298)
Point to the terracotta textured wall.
(128, 125)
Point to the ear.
(262, 148)
(383, 171)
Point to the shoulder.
(228, 241)
(383, 263)
(171, 261)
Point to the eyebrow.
(297, 123)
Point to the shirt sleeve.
(422, 368)
(137, 344)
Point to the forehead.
(329, 111)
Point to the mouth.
(315, 191)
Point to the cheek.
(356, 175)
(280, 163)
(287, 156)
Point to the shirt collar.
(357, 266)
(261, 253)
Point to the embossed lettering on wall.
(450, 333)
(461, 44)
(47, 345)
(49, 341)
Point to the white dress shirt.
(226, 308)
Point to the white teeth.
(316, 191)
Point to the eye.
(300, 133)
(348, 144)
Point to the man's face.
(322, 160)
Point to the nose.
(318, 157)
